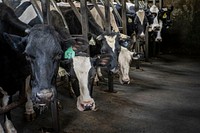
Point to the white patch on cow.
(158, 37)
(9, 127)
(82, 65)
(28, 15)
(92, 41)
(141, 15)
(124, 60)
(111, 41)
(154, 9)
(100, 21)
(1, 1)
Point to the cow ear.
(17, 43)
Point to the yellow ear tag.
(164, 15)
(69, 53)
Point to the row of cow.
(31, 57)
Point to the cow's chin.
(85, 106)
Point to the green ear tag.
(69, 53)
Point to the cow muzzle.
(85, 105)
(45, 96)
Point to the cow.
(36, 54)
(81, 70)
(42, 50)
(13, 67)
(125, 58)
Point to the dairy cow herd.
(32, 52)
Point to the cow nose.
(156, 28)
(158, 40)
(88, 107)
(142, 36)
(44, 95)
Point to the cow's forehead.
(141, 15)
(154, 9)
(111, 41)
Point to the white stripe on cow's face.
(111, 41)
(82, 66)
(141, 15)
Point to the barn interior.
(162, 96)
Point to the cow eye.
(58, 56)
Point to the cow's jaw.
(82, 66)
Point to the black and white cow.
(36, 54)
(81, 69)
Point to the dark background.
(184, 35)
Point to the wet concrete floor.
(163, 98)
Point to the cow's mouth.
(85, 106)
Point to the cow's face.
(43, 51)
(82, 71)
(140, 23)
(125, 57)
(111, 46)
(154, 19)
(164, 16)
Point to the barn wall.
(184, 35)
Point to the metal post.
(84, 19)
(154, 2)
(136, 5)
(107, 16)
(45, 10)
(147, 43)
(124, 22)
(160, 4)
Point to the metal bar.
(59, 11)
(13, 105)
(124, 22)
(98, 10)
(160, 4)
(154, 2)
(116, 12)
(136, 5)
(107, 16)
(84, 20)
(147, 43)
(78, 15)
(45, 4)
(37, 10)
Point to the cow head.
(164, 16)
(154, 19)
(82, 71)
(110, 46)
(125, 58)
(140, 23)
(42, 50)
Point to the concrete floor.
(163, 98)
